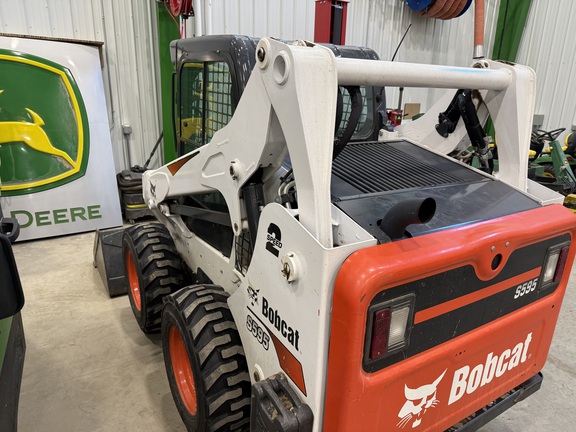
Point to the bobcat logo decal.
(418, 401)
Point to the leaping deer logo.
(32, 135)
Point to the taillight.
(389, 326)
(550, 267)
(398, 325)
(380, 331)
(554, 264)
(561, 264)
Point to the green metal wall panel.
(511, 23)
(167, 32)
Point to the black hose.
(463, 106)
(356, 110)
(474, 128)
(339, 110)
(154, 149)
(448, 119)
(138, 168)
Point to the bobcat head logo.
(253, 294)
(418, 401)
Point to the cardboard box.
(411, 109)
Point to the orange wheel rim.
(182, 370)
(133, 280)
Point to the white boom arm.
(397, 74)
(289, 105)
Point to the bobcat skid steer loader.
(338, 285)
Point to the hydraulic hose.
(463, 106)
(355, 112)
(339, 110)
(474, 128)
(448, 119)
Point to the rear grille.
(378, 167)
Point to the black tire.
(153, 270)
(205, 361)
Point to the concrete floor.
(90, 368)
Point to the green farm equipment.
(12, 344)
(552, 167)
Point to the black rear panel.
(446, 314)
(370, 178)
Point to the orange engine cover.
(473, 337)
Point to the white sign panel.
(56, 162)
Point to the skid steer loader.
(308, 277)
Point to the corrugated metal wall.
(549, 47)
(285, 19)
(380, 24)
(127, 29)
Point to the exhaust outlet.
(409, 212)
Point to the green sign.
(44, 136)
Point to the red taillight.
(554, 264)
(380, 329)
(561, 264)
(388, 327)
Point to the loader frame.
(288, 287)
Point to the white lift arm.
(289, 105)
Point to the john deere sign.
(44, 136)
(56, 167)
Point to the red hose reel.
(181, 7)
(448, 9)
(440, 9)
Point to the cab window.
(205, 103)
(365, 126)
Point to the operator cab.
(210, 75)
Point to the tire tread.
(160, 267)
(213, 338)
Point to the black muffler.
(409, 212)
